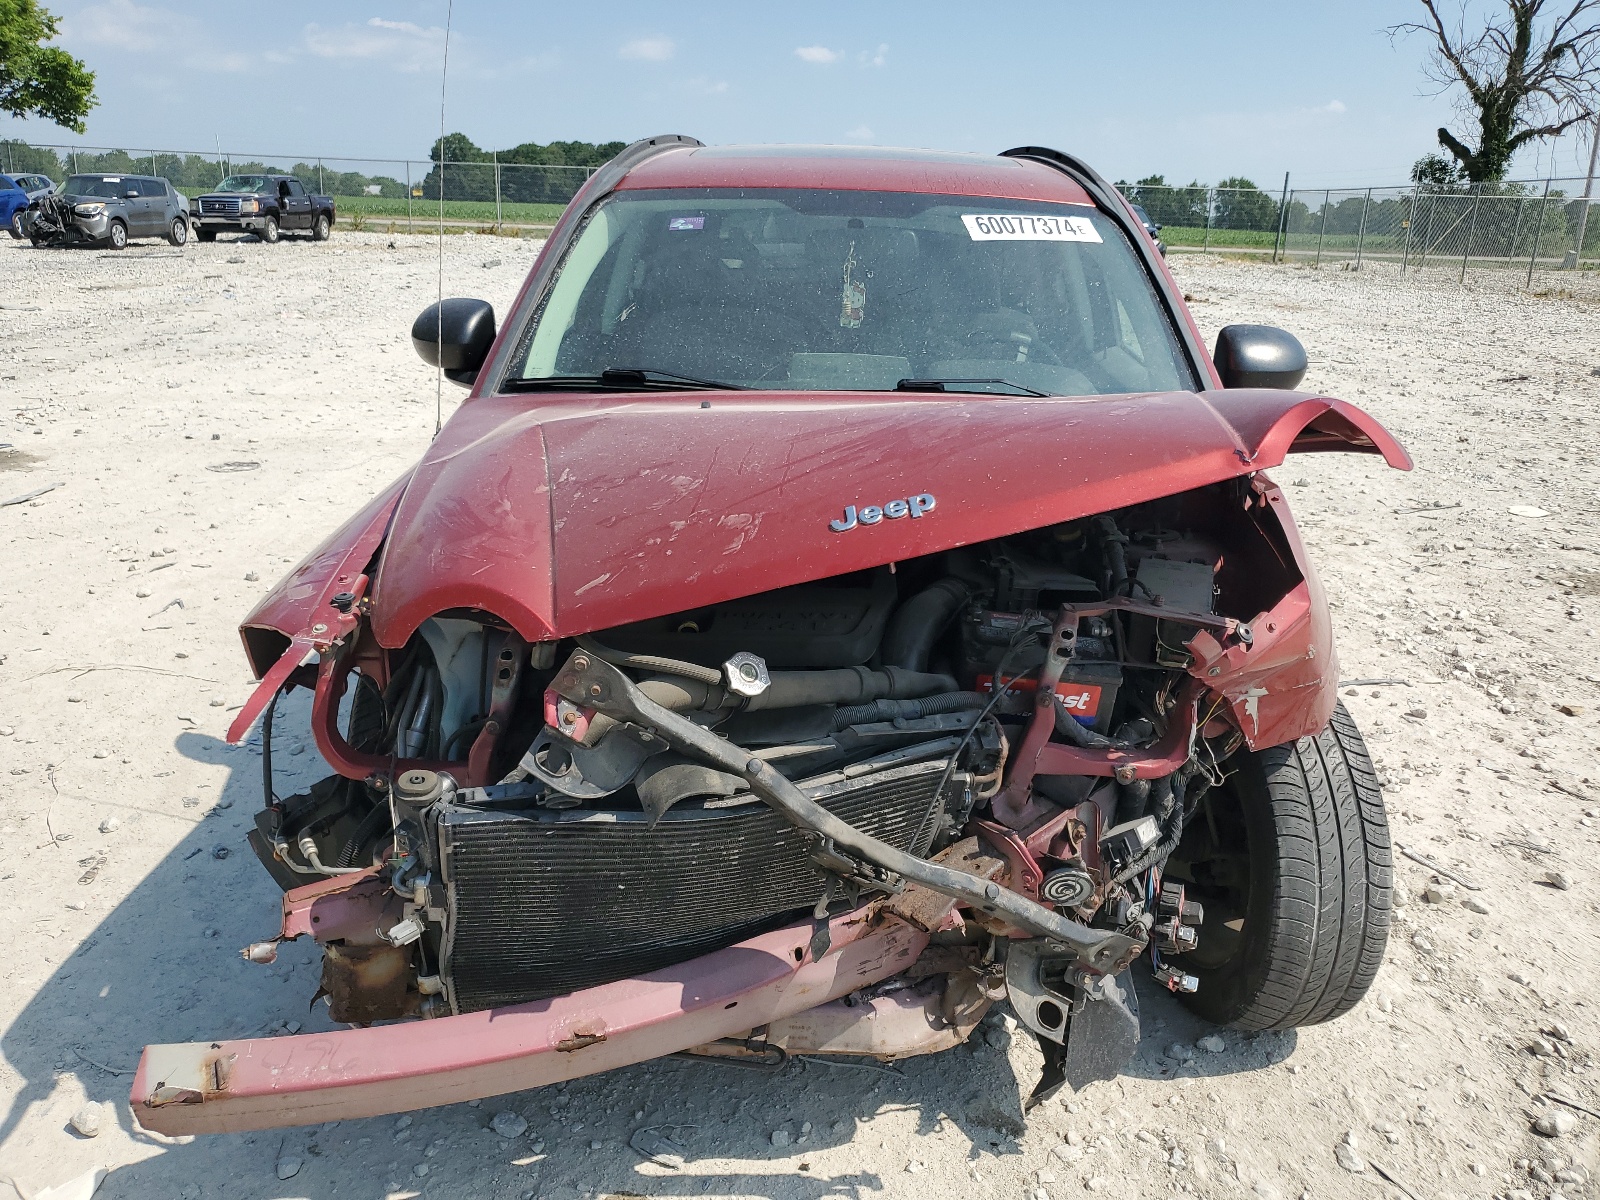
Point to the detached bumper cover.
(232, 1086)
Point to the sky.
(1138, 87)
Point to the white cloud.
(820, 55)
(121, 25)
(140, 29)
(874, 58)
(706, 86)
(1333, 106)
(860, 134)
(649, 49)
(404, 46)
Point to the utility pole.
(1588, 191)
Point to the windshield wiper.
(621, 379)
(962, 385)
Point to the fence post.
(1283, 220)
(1472, 229)
(322, 188)
(1405, 258)
(1511, 251)
(1211, 195)
(1538, 232)
(1588, 191)
(499, 219)
(1361, 230)
(1321, 233)
(410, 225)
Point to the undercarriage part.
(1102, 1036)
(545, 902)
(589, 681)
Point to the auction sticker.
(1028, 227)
(679, 224)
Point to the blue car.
(13, 202)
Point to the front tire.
(268, 232)
(322, 228)
(117, 236)
(1291, 858)
(16, 225)
(179, 233)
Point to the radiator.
(542, 903)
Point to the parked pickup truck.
(265, 205)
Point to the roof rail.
(632, 155)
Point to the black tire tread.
(1329, 909)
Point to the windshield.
(840, 290)
(245, 183)
(110, 186)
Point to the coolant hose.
(650, 662)
(917, 623)
(910, 710)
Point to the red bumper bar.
(229, 1087)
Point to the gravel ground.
(208, 414)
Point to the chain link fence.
(1543, 236)
(388, 195)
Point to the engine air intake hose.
(916, 624)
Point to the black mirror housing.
(455, 334)
(1259, 356)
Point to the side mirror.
(455, 334)
(131, 194)
(1259, 356)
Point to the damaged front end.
(840, 818)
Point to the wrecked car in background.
(850, 597)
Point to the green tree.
(1531, 72)
(1242, 205)
(38, 80)
(1436, 173)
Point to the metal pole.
(1538, 232)
(1511, 251)
(410, 227)
(1588, 190)
(1405, 259)
(1283, 219)
(1321, 233)
(322, 188)
(1361, 231)
(1211, 194)
(499, 219)
(1472, 228)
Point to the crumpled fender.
(1273, 429)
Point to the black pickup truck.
(265, 205)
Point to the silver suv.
(107, 210)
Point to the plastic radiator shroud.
(542, 903)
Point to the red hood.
(577, 514)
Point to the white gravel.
(142, 376)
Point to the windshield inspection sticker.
(1028, 227)
(677, 223)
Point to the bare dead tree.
(1532, 71)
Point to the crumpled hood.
(567, 515)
